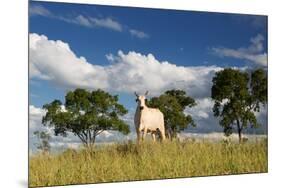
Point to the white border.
(13, 61)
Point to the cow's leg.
(162, 134)
(153, 136)
(138, 136)
(144, 133)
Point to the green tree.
(237, 95)
(44, 139)
(86, 114)
(172, 104)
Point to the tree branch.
(82, 138)
(86, 136)
(90, 135)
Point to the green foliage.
(86, 114)
(44, 139)
(237, 95)
(172, 104)
(129, 161)
(259, 88)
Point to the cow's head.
(141, 99)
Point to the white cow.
(148, 120)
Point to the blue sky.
(181, 37)
(135, 49)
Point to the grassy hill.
(128, 161)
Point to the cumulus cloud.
(200, 111)
(127, 72)
(35, 116)
(138, 34)
(253, 53)
(203, 116)
(55, 61)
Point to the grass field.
(127, 161)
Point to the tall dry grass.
(128, 161)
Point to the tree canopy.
(172, 104)
(237, 95)
(86, 114)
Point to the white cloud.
(35, 116)
(203, 116)
(202, 109)
(145, 72)
(39, 10)
(81, 20)
(107, 23)
(87, 21)
(253, 53)
(35, 119)
(138, 34)
(55, 61)
(90, 22)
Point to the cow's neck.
(144, 107)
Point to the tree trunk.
(239, 128)
(93, 139)
(240, 135)
(89, 145)
(91, 142)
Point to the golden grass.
(128, 161)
